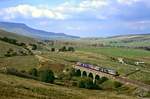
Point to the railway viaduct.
(96, 74)
(91, 73)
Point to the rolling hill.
(25, 30)
(134, 40)
(20, 38)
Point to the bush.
(10, 53)
(63, 49)
(52, 49)
(103, 79)
(46, 76)
(34, 46)
(33, 72)
(87, 83)
(117, 84)
(71, 49)
(81, 83)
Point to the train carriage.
(101, 69)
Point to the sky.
(85, 18)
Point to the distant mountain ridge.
(23, 29)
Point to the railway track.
(121, 79)
(133, 82)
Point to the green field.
(102, 56)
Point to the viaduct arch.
(95, 75)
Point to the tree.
(34, 46)
(10, 53)
(71, 49)
(63, 49)
(46, 76)
(52, 49)
(117, 84)
(103, 79)
(33, 72)
(87, 82)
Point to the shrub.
(33, 72)
(71, 49)
(10, 53)
(81, 83)
(87, 83)
(103, 79)
(63, 49)
(52, 49)
(46, 76)
(117, 84)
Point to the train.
(97, 68)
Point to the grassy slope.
(13, 87)
(102, 56)
(20, 62)
(17, 37)
(4, 46)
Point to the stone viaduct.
(91, 73)
(97, 74)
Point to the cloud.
(60, 12)
(132, 2)
(128, 2)
(28, 11)
(84, 16)
(84, 7)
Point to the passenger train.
(96, 68)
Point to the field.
(122, 40)
(102, 57)
(13, 87)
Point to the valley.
(61, 62)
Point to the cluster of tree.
(50, 42)
(34, 46)
(87, 82)
(97, 45)
(45, 75)
(14, 71)
(12, 52)
(64, 49)
(145, 48)
(15, 42)
(12, 41)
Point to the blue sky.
(85, 18)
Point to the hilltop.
(25, 30)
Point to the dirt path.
(42, 59)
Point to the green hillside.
(19, 61)
(17, 37)
(13, 87)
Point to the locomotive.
(97, 68)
